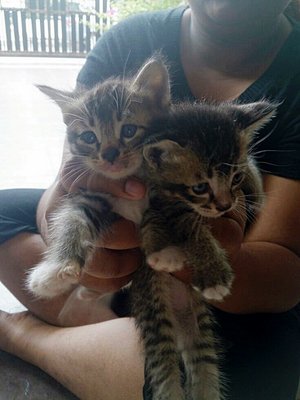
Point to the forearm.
(267, 279)
(99, 361)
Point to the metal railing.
(50, 28)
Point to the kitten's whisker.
(71, 174)
(251, 148)
(243, 200)
(125, 101)
(79, 177)
(234, 165)
(85, 109)
(125, 66)
(72, 179)
(242, 210)
(115, 99)
(271, 151)
(79, 117)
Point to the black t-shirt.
(125, 47)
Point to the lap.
(262, 351)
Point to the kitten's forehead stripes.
(108, 100)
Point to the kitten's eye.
(88, 137)
(237, 178)
(201, 188)
(128, 131)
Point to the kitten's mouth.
(113, 167)
(118, 169)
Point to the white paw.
(70, 272)
(216, 293)
(169, 259)
(45, 283)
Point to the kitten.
(198, 164)
(105, 128)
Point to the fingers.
(108, 263)
(110, 269)
(74, 175)
(123, 235)
(185, 275)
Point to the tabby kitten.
(105, 128)
(198, 164)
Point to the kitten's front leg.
(157, 244)
(212, 272)
(74, 230)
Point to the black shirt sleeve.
(277, 147)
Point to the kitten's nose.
(223, 206)
(110, 154)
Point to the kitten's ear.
(160, 153)
(253, 116)
(60, 97)
(154, 78)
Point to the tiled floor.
(31, 138)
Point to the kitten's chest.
(129, 209)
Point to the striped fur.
(105, 129)
(198, 164)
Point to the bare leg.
(101, 361)
(19, 254)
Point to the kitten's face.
(210, 189)
(106, 127)
(106, 124)
(200, 154)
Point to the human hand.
(117, 256)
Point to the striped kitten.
(105, 128)
(198, 164)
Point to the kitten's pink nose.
(110, 154)
(223, 206)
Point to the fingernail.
(135, 188)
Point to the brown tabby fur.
(198, 166)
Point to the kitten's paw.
(169, 259)
(70, 272)
(216, 293)
(44, 282)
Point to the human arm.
(265, 261)
(267, 265)
(101, 361)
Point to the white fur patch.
(47, 280)
(216, 293)
(169, 259)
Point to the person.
(221, 50)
